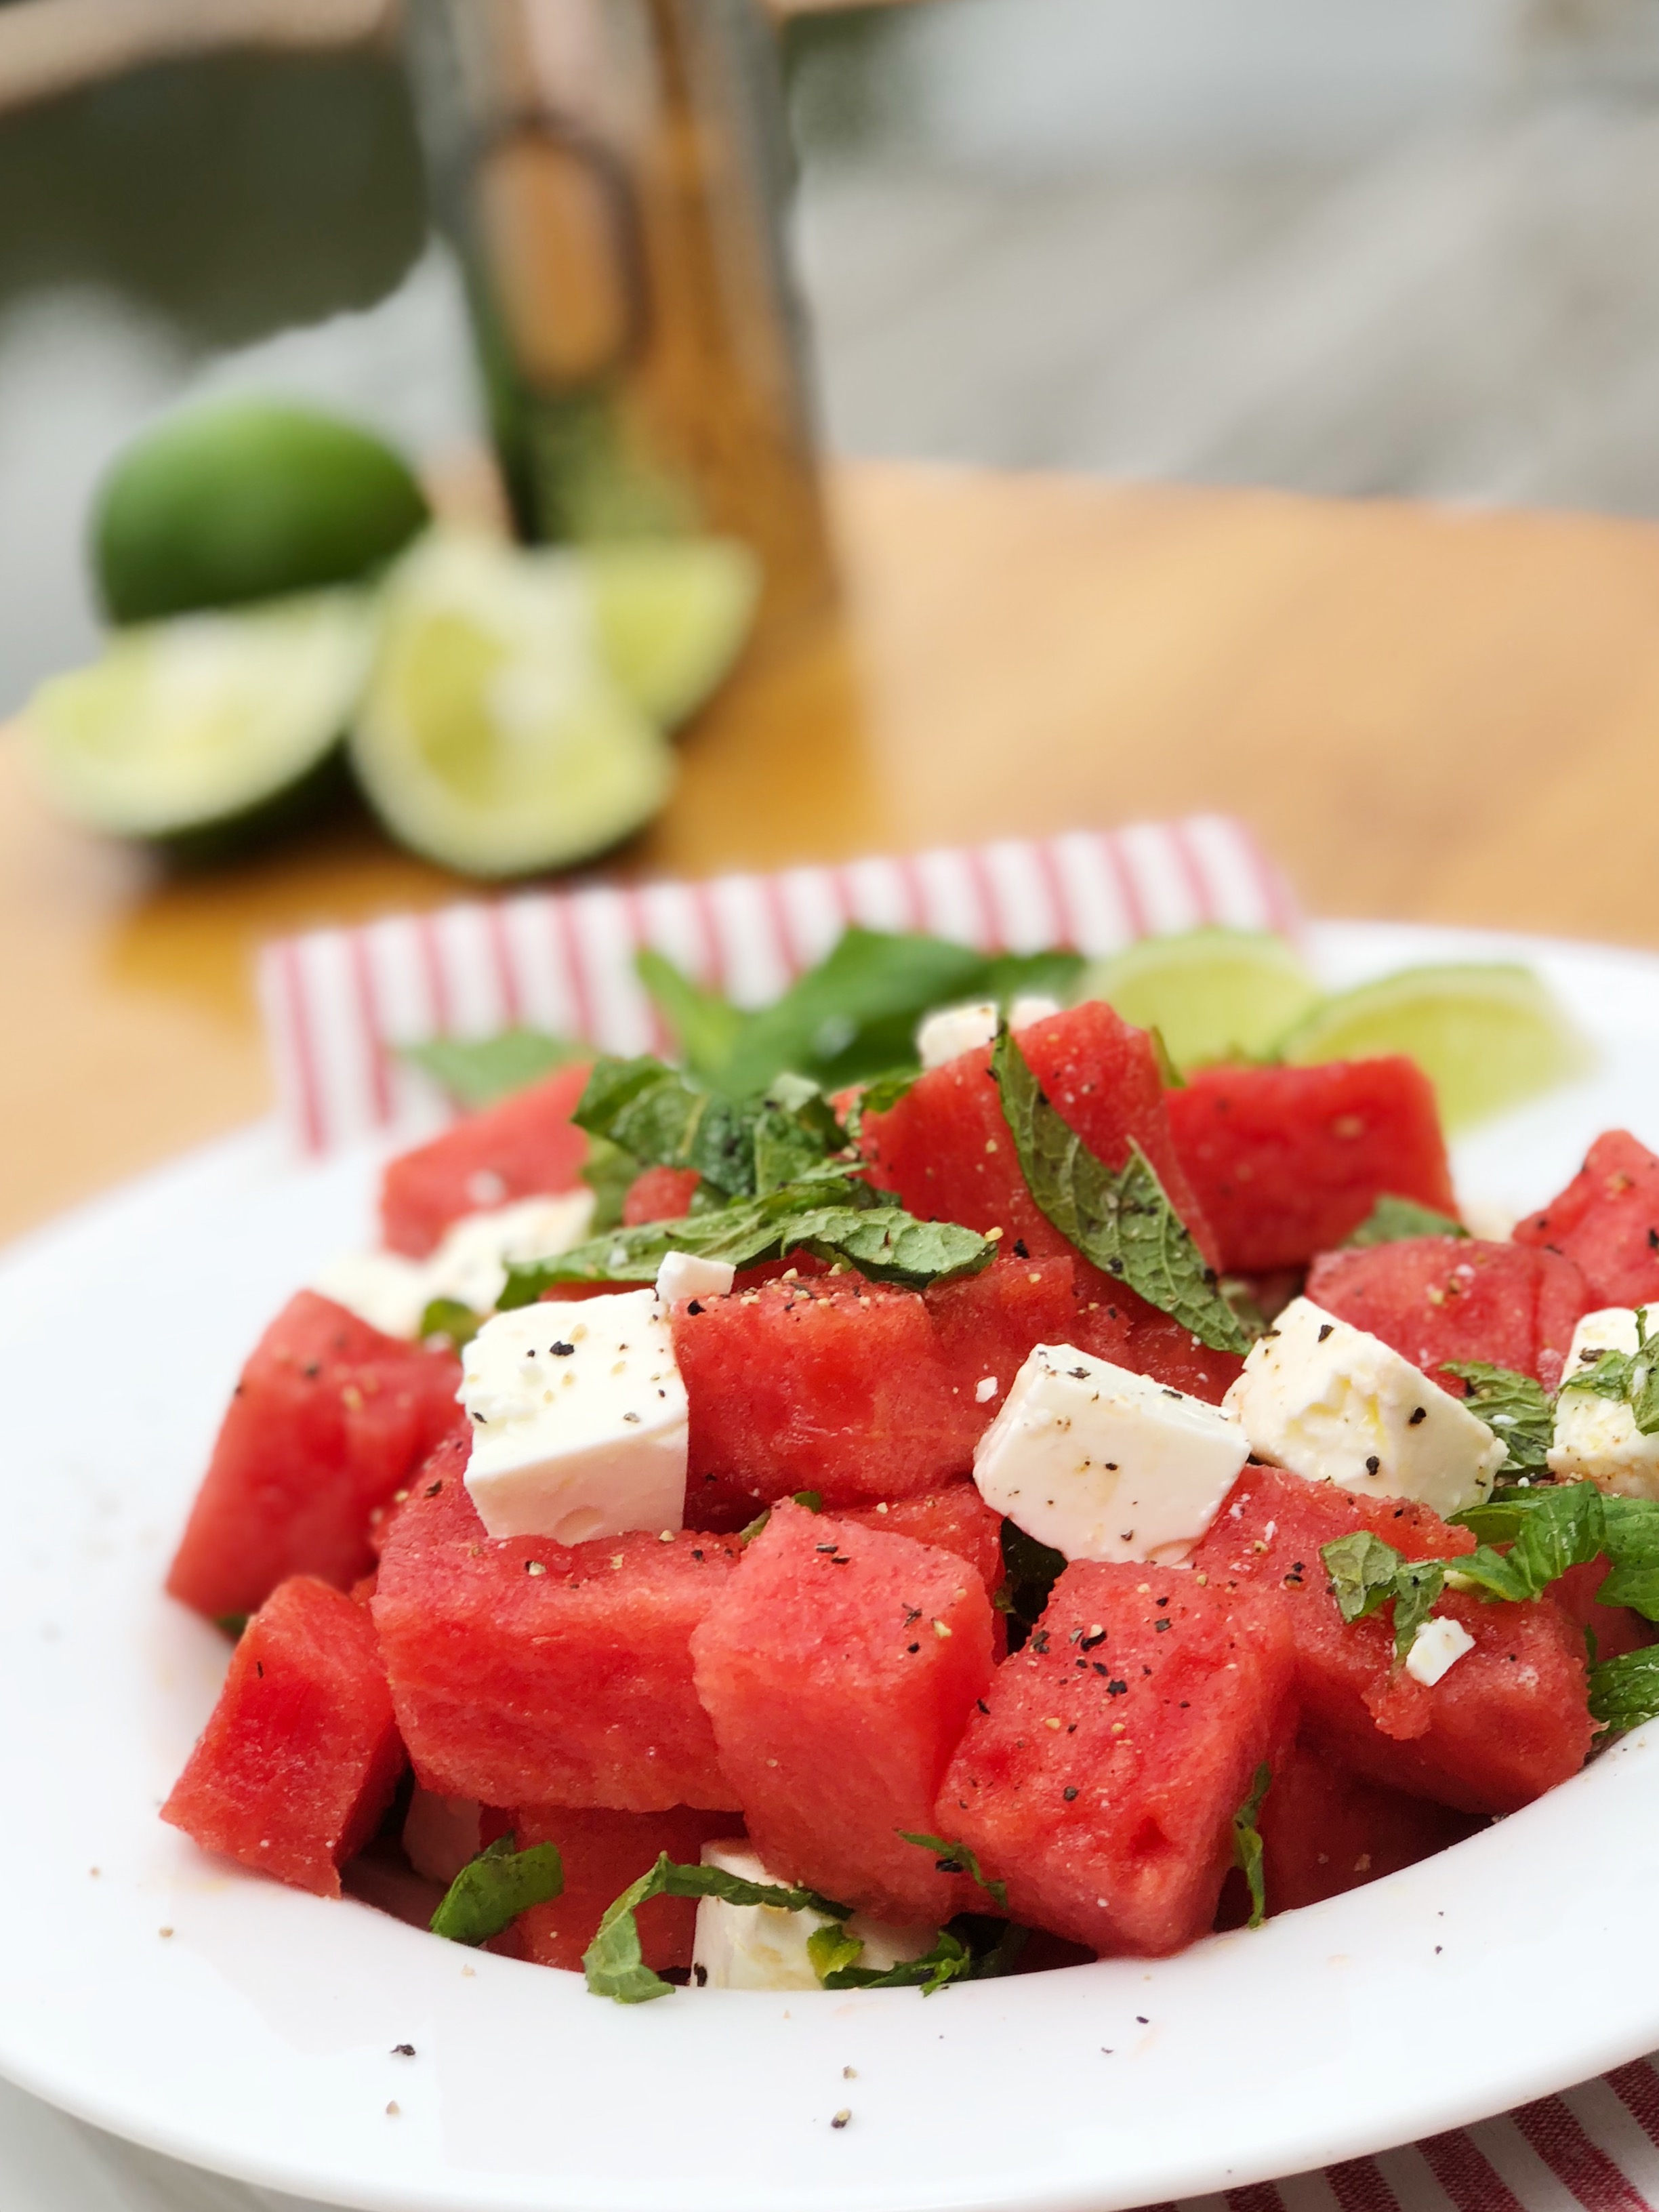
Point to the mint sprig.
(613, 1962)
(492, 1890)
(477, 1071)
(956, 1859)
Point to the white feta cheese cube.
(470, 1262)
(579, 1420)
(762, 1946)
(955, 1029)
(683, 1275)
(1105, 1464)
(441, 1834)
(1596, 1439)
(382, 1288)
(1438, 1644)
(1336, 1404)
(1031, 1006)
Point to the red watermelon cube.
(301, 1756)
(839, 1667)
(1507, 1722)
(527, 1146)
(1326, 1830)
(525, 1671)
(602, 1853)
(329, 1420)
(1609, 1631)
(1606, 1219)
(1440, 1298)
(1288, 1161)
(953, 1518)
(1100, 1776)
(660, 1194)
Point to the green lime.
(493, 739)
(1488, 1037)
(672, 615)
(186, 728)
(246, 499)
(1211, 994)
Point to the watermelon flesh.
(1326, 1830)
(527, 1146)
(1440, 1298)
(660, 1194)
(839, 1666)
(1100, 1776)
(329, 1420)
(953, 1518)
(301, 1756)
(602, 1853)
(1287, 1162)
(1607, 1220)
(1509, 1721)
(524, 1671)
(1610, 1630)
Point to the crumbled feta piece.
(441, 1834)
(1332, 1403)
(955, 1029)
(579, 1420)
(1031, 1006)
(683, 1275)
(1439, 1644)
(985, 1389)
(1105, 1464)
(1596, 1439)
(382, 1288)
(469, 1264)
(762, 1946)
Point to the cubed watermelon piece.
(1606, 1219)
(1507, 1722)
(1288, 1161)
(1326, 1830)
(1615, 1628)
(524, 1671)
(300, 1755)
(839, 1666)
(831, 1384)
(660, 1194)
(602, 1853)
(946, 1150)
(1441, 1298)
(329, 1420)
(953, 1518)
(1100, 1776)
(527, 1146)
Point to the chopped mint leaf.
(1393, 1219)
(477, 1071)
(880, 1095)
(1561, 1527)
(234, 1625)
(956, 1859)
(812, 1499)
(1362, 1569)
(794, 1130)
(666, 1120)
(1029, 1571)
(1631, 1540)
(1515, 1408)
(449, 1318)
(1417, 1586)
(1124, 1222)
(1014, 975)
(493, 1889)
(748, 1533)
(610, 1173)
(831, 1950)
(1247, 1844)
(1168, 1074)
(1627, 1378)
(613, 1962)
(706, 1026)
(1624, 1691)
(972, 1947)
(855, 1013)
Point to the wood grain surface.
(1426, 715)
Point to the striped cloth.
(338, 1003)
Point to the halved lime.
(672, 615)
(247, 499)
(492, 738)
(188, 728)
(1211, 994)
(1488, 1036)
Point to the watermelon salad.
(855, 1528)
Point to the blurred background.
(1369, 247)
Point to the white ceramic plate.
(219, 2018)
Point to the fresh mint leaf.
(666, 1120)
(706, 1026)
(956, 1859)
(794, 1129)
(880, 1095)
(1515, 1408)
(613, 1962)
(1362, 1569)
(1629, 1377)
(449, 1318)
(610, 1173)
(812, 1499)
(1029, 1571)
(1247, 1844)
(1050, 974)
(1624, 1691)
(493, 1889)
(972, 1947)
(1631, 1540)
(233, 1625)
(1124, 1222)
(1418, 1585)
(831, 1950)
(1392, 1219)
(477, 1071)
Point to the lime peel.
(1215, 993)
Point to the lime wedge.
(672, 614)
(188, 728)
(1211, 994)
(1488, 1037)
(492, 739)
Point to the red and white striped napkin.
(338, 1003)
